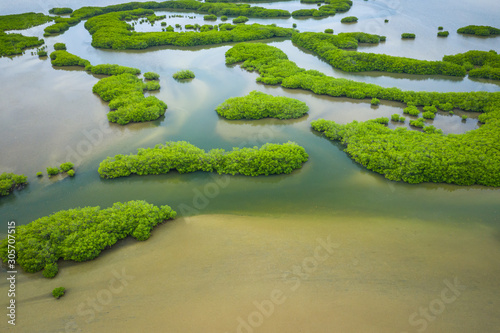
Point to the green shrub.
(443, 33)
(41, 53)
(430, 108)
(210, 17)
(464, 117)
(295, 25)
(328, 31)
(59, 46)
(428, 115)
(71, 173)
(11, 181)
(418, 123)
(240, 19)
(152, 85)
(402, 119)
(440, 28)
(64, 58)
(183, 75)
(52, 171)
(58, 292)
(81, 234)
(395, 117)
(411, 110)
(184, 157)
(488, 62)
(39, 174)
(65, 167)
(349, 19)
(258, 105)
(108, 69)
(375, 101)
(60, 11)
(386, 21)
(479, 30)
(151, 76)
(223, 18)
(407, 35)
(432, 130)
(163, 24)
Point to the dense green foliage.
(443, 33)
(275, 68)
(407, 35)
(11, 44)
(81, 234)
(328, 31)
(64, 58)
(109, 31)
(59, 46)
(328, 48)
(488, 63)
(52, 171)
(417, 123)
(184, 157)
(151, 76)
(240, 19)
(258, 105)
(416, 157)
(61, 24)
(349, 19)
(332, 7)
(112, 69)
(375, 101)
(65, 167)
(10, 181)
(58, 292)
(479, 30)
(183, 75)
(22, 21)
(210, 17)
(71, 173)
(39, 174)
(126, 97)
(60, 10)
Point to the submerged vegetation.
(11, 181)
(329, 48)
(81, 234)
(258, 105)
(184, 157)
(479, 30)
(125, 94)
(416, 157)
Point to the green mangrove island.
(81, 234)
(258, 105)
(184, 157)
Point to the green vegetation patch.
(407, 35)
(416, 157)
(184, 157)
(109, 31)
(11, 181)
(479, 30)
(64, 58)
(349, 19)
(12, 44)
(210, 17)
(151, 76)
(331, 8)
(240, 19)
(58, 292)
(60, 10)
(126, 97)
(61, 24)
(329, 48)
(183, 75)
(443, 33)
(488, 63)
(81, 234)
(258, 105)
(23, 21)
(59, 46)
(111, 69)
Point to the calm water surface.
(400, 241)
